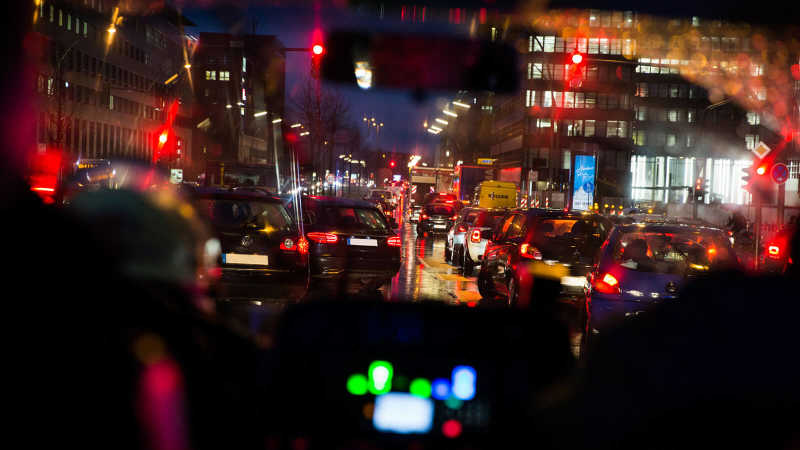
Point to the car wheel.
(513, 292)
(448, 255)
(469, 265)
(458, 255)
(485, 286)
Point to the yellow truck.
(496, 194)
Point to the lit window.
(111, 102)
(211, 74)
(641, 113)
(751, 141)
(224, 75)
(241, 110)
(695, 21)
(756, 70)
(640, 137)
(691, 115)
(594, 43)
(761, 93)
(69, 22)
(60, 18)
(641, 89)
(530, 98)
(549, 44)
(588, 128)
(547, 99)
(534, 71)
(244, 64)
(52, 13)
(671, 140)
(672, 115)
(753, 118)
(689, 140)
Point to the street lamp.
(463, 105)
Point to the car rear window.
(231, 213)
(441, 210)
(676, 253)
(488, 220)
(363, 219)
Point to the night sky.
(403, 116)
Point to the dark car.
(777, 248)
(437, 218)
(565, 241)
(351, 241)
(642, 265)
(262, 254)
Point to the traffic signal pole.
(757, 232)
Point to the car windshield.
(672, 252)
(204, 191)
(231, 213)
(439, 210)
(362, 219)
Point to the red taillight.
(476, 236)
(608, 284)
(529, 251)
(288, 244)
(454, 217)
(302, 246)
(774, 251)
(394, 241)
(323, 238)
(461, 229)
(424, 216)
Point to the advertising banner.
(583, 182)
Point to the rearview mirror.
(419, 62)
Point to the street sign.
(780, 173)
(486, 161)
(761, 150)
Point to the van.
(496, 194)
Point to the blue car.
(641, 265)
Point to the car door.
(505, 251)
(493, 246)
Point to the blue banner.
(583, 182)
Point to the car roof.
(338, 201)
(215, 192)
(663, 227)
(558, 213)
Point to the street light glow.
(463, 105)
(278, 120)
(432, 131)
(112, 29)
(260, 114)
(305, 133)
(187, 66)
(296, 125)
(449, 113)
(434, 127)
(441, 121)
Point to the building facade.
(100, 80)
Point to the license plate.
(440, 226)
(239, 258)
(363, 242)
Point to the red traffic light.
(392, 164)
(162, 138)
(761, 170)
(577, 58)
(318, 49)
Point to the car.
(477, 236)
(440, 197)
(642, 265)
(350, 242)
(416, 211)
(262, 252)
(567, 239)
(454, 245)
(437, 218)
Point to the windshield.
(183, 177)
(673, 252)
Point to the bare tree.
(322, 112)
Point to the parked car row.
(266, 253)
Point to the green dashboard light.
(357, 384)
(420, 387)
(380, 377)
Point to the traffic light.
(758, 182)
(575, 68)
(699, 191)
(392, 164)
(317, 50)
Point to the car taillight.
(302, 246)
(774, 251)
(288, 244)
(529, 251)
(454, 217)
(607, 284)
(323, 238)
(476, 236)
(424, 216)
(394, 241)
(461, 229)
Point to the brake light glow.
(394, 241)
(323, 238)
(774, 251)
(528, 251)
(302, 246)
(461, 229)
(455, 217)
(424, 216)
(608, 284)
(476, 236)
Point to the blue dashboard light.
(440, 389)
(464, 382)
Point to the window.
(695, 21)
(574, 127)
(566, 159)
(588, 129)
(640, 137)
(641, 89)
(753, 118)
(603, 46)
(530, 97)
(549, 44)
(569, 99)
(594, 18)
(111, 102)
(534, 71)
(211, 74)
(69, 22)
(591, 100)
(224, 75)
(672, 139)
(547, 99)
(594, 44)
(761, 93)
(244, 64)
(641, 112)
(673, 115)
(751, 141)
(60, 18)
(689, 139)
(674, 91)
(664, 90)
(580, 100)
(628, 46)
(691, 115)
